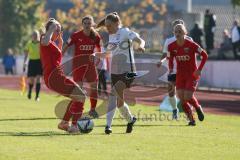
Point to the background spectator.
(225, 46)
(196, 33)
(236, 39)
(209, 28)
(9, 62)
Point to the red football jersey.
(185, 56)
(84, 45)
(51, 58)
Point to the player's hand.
(197, 74)
(141, 49)
(159, 64)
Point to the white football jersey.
(119, 47)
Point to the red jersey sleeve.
(202, 53)
(71, 40)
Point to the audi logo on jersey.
(183, 58)
(86, 47)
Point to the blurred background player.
(187, 75)
(120, 65)
(34, 66)
(85, 42)
(51, 57)
(172, 76)
(9, 62)
(102, 79)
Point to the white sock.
(173, 102)
(125, 112)
(112, 105)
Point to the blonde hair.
(183, 28)
(113, 17)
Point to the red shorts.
(186, 83)
(59, 83)
(85, 72)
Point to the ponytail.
(113, 17)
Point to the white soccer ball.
(85, 125)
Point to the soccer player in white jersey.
(171, 77)
(121, 65)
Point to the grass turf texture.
(29, 131)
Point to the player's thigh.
(79, 73)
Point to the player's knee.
(38, 80)
(78, 94)
(187, 97)
(81, 98)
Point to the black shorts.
(34, 68)
(172, 77)
(121, 78)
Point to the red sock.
(75, 118)
(194, 102)
(188, 111)
(76, 110)
(67, 114)
(93, 98)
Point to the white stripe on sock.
(173, 102)
(125, 112)
(112, 105)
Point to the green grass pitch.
(28, 130)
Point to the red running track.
(212, 102)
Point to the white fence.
(219, 74)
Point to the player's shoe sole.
(130, 125)
(200, 113)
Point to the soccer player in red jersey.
(51, 56)
(85, 41)
(188, 73)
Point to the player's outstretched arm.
(141, 43)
